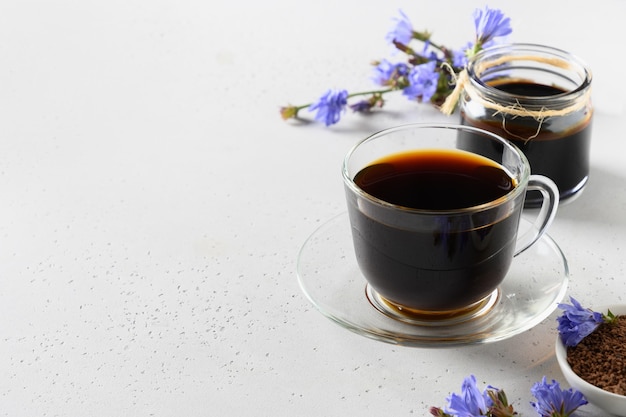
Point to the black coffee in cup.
(451, 260)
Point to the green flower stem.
(609, 317)
(373, 92)
(478, 46)
(378, 93)
(422, 36)
(425, 37)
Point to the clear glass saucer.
(330, 277)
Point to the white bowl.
(607, 401)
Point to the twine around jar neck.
(464, 84)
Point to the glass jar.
(539, 98)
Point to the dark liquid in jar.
(454, 263)
(560, 150)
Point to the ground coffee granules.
(600, 358)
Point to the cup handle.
(550, 193)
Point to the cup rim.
(511, 195)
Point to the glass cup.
(428, 260)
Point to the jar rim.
(548, 55)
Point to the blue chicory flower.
(402, 32)
(459, 56)
(552, 401)
(422, 81)
(330, 106)
(577, 322)
(419, 78)
(490, 23)
(471, 402)
(386, 72)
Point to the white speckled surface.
(154, 203)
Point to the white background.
(154, 203)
